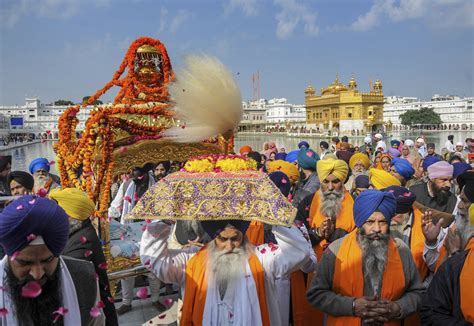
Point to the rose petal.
(263, 250)
(103, 266)
(142, 293)
(31, 289)
(127, 198)
(147, 263)
(310, 154)
(100, 305)
(123, 149)
(144, 227)
(42, 192)
(60, 312)
(148, 221)
(3, 312)
(306, 208)
(162, 316)
(111, 300)
(140, 177)
(82, 239)
(14, 255)
(20, 207)
(283, 181)
(168, 301)
(94, 312)
(274, 248)
(32, 202)
(122, 236)
(87, 253)
(51, 163)
(31, 237)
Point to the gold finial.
(309, 91)
(147, 48)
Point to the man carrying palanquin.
(229, 281)
(367, 276)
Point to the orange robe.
(466, 280)
(417, 244)
(348, 277)
(196, 288)
(442, 253)
(255, 233)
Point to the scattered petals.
(183, 126)
(51, 163)
(60, 312)
(82, 239)
(87, 253)
(309, 154)
(283, 181)
(274, 248)
(122, 236)
(15, 254)
(142, 293)
(31, 237)
(42, 192)
(111, 300)
(144, 227)
(20, 207)
(147, 263)
(263, 250)
(94, 312)
(306, 208)
(148, 221)
(32, 202)
(140, 177)
(3, 312)
(103, 266)
(162, 316)
(127, 198)
(31, 289)
(168, 301)
(100, 305)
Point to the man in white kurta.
(240, 305)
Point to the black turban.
(466, 181)
(23, 178)
(4, 160)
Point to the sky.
(67, 49)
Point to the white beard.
(331, 203)
(40, 181)
(226, 268)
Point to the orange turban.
(287, 168)
(245, 149)
(338, 168)
(363, 158)
(381, 179)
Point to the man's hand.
(326, 229)
(363, 307)
(453, 241)
(430, 230)
(383, 311)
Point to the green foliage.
(96, 102)
(63, 102)
(423, 116)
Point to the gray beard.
(331, 203)
(227, 269)
(40, 181)
(193, 228)
(466, 231)
(374, 257)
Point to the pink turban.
(441, 169)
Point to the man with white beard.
(39, 168)
(367, 277)
(228, 281)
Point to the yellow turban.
(381, 179)
(75, 202)
(287, 168)
(471, 215)
(338, 168)
(359, 157)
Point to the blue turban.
(372, 200)
(362, 181)
(280, 156)
(395, 142)
(213, 228)
(428, 160)
(303, 143)
(405, 198)
(31, 215)
(459, 168)
(282, 181)
(292, 156)
(403, 167)
(307, 158)
(39, 163)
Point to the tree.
(423, 116)
(96, 102)
(63, 102)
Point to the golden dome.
(352, 83)
(309, 90)
(147, 48)
(334, 88)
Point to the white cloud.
(55, 9)
(440, 13)
(181, 17)
(249, 7)
(293, 14)
(172, 23)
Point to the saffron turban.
(429, 160)
(363, 158)
(75, 202)
(307, 158)
(303, 143)
(213, 228)
(31, 216)
(441, 169)
(289, 169)
(403, 167)
(381, 179)
(292, 156)
(459, 168)
(21, 177)
(280, 156)
(337, 168)
(404, 198)
(282, 181)
(393, 152)
(245, 149)
(395, 142)
(39, 163)
(371, 201)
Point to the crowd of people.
(382, 234)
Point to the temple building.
(343, 109)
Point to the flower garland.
(219, 163)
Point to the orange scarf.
(255, 233)
(348, 277)
(442, 253)
(466, 279)
(303, 313)
(345, 220)
(417, 244)
(196, 288)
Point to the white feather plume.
(207, 99)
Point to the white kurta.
(169, 265)
(68, 296)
